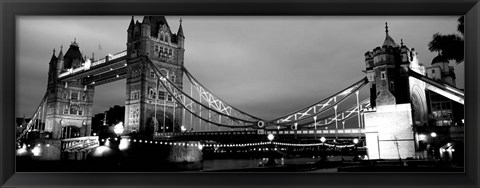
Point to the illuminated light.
(38, 145)
(124, 144)
(323, 139)
(48, 145)
(452, 150)
(134, 140)
(94, 134)
(125, 64)
(200, 146)
(118, 129)
(355, 141)
(118, 75)
(28, 145)
(449, 144)
(36, 151)
(93, 82)
(115, 139)
(433, 134)
(422, 137)
(271, 137)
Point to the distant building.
(101, 121)
(443, 111)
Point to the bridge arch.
(70, 131)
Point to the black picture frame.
(10, 9)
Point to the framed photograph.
(239, 94)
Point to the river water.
(225, 164)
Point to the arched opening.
(70, 132)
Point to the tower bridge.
(163, 107)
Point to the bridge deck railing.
(79, 143)
(266, 132)
(98, 62)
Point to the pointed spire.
(180, 29)
(388, 40)
(54, 58)
(93, 56)
(401, 42)
(60, 55)
(74, 43)
(132, 24)
(146, 20)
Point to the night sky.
(266, 66)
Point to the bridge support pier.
(389, 133)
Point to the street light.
(118, 130)
(323, 154)
(271, 161)
(270, 137)
(433, 134)
(323, 139)
(355, 141)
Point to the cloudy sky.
(266, 66)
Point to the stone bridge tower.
(152, 40)
(398, 101)
(69, 104)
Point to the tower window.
(161, 95)
(80, 112)
(65, 110)
(73, 110)
(156, 48)
(151, 93)
(433, 71)
(392, 86)
(74, 95)
(383, 75)
(152, 74)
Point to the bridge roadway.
(261, 135)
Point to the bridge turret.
(146, 27)
(52, 70)
(399, 101)
(60, 67)
(152, 39)
(180, 36)
(130, 29)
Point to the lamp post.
(355, 142)
(433, 135)
(323, 139)
(271, 160)
(118, 130)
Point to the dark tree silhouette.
(449, 46)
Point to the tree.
(449, 46)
